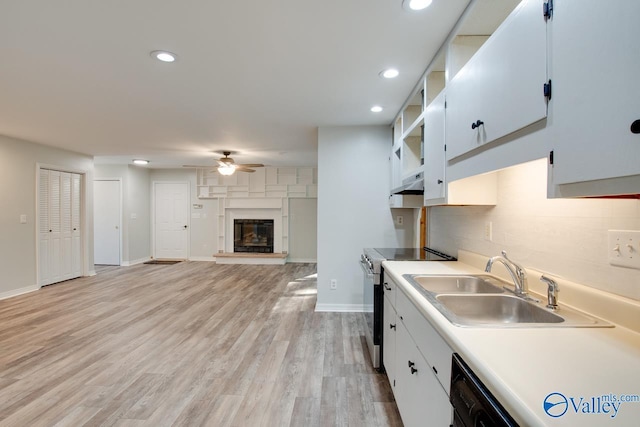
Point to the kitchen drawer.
(389, 288)
(432, 346)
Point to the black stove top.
(413, 254)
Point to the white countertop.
(522, 366)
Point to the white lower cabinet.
(419, 396)
(389, 332)
(417, 361)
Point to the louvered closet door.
(76, 246)
(60, 238)
(55, 216)
(44, 230)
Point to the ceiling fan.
(227, 166)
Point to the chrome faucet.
(516, 272)
(552, 292)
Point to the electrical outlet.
(624, 248)
(399, 220)
(333, 284)
(488, 231)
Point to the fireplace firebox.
(253, 235)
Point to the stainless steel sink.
(481, 301)
(457, 284)
(496, 309)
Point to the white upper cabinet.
(595, 70)
(500, 89)
(434, 161)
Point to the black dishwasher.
(473, 405)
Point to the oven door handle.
(366, 270)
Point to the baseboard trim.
(19, 291)
(202, 258)
(134, 262)
(341, 308)
(302, 260)
(91, 273)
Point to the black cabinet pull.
(635, 127)
(411, 367)
(387, 287)
(440, 181)
(435, 370)
(185, 227)
(392, 326)
(477, 124)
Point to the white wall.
(303, 230)
(136, 199)
(563, 237)
(18, 161)
(353, 209)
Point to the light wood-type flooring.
(190, 344)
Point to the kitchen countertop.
(522, 366)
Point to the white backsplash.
(562, 237)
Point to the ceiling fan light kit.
(227, 169)
(227, 166)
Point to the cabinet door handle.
(434, 370)
(440, 181)
(392, 326)
(412, 368)
(387, 287)
(477, 124)
(635, 127)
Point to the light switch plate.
(23, 219)
(624, 248)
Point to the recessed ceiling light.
(389, 73)
(164, 56)
(416, 4)
(141, 162)
(376, 109)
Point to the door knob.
(635, 127)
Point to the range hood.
(411, 185)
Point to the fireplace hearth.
(253, 235)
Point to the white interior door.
(171, 234)
(60, 234)
(106, 222)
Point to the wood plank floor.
(190, 344)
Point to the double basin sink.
(481, 300)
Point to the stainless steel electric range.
(371, 263)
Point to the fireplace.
(253, 235)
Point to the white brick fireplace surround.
(253, 208)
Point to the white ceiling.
(256, 77)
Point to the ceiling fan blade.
(244, 169)
(251, 165)
(195, 166)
